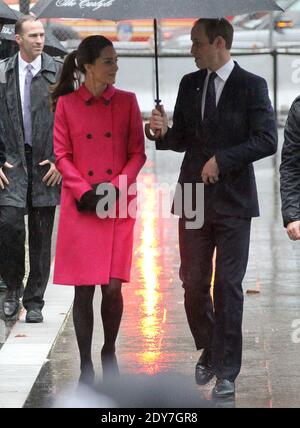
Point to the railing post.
(274, 54)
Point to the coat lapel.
(198, 105)
(229, 89)
(13, 94)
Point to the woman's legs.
(111, 312)
(83, 318)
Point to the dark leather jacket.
(290, 166)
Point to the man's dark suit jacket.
(245, 131)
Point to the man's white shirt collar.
(225, 71)
(36, 64)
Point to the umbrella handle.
(149, 133)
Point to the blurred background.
(264, 43)
(155, 339)
(252, 31)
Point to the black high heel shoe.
(87, 375)
(110, 366)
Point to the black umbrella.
(136, 9)
(116, 10)
(7, 15)
(52, 47)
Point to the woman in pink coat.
(98, 138)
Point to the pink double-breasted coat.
(95, 140)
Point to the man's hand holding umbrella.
(159, 122)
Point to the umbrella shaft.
(157, 100)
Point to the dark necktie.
(210, 107)
(27, 106)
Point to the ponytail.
(69, 79)
(74, 66)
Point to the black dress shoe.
(34, 316)
(11, 304)
(110, 367)
(224, 389)
(204, 371)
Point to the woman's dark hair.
(88, 52)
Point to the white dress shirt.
(36, 66)
(222, 75)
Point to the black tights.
(83, 318)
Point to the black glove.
(89, 200)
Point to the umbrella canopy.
(7, 15)
(62, 32)
(116, 10)
(52, 47)
(141, 9)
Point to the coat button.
(89, 136)
(91, 173)
(106, 102)
(108, 134)
(88, 102)
(109, 171)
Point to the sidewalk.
(154, 340)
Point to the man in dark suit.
(223, 121)
(30, 182)
(2, 156)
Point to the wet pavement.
(155, 350)
(6, 325)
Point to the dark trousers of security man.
(12, 248)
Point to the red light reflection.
(152, 315)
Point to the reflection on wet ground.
(155, 349)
